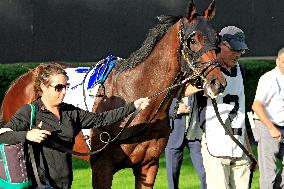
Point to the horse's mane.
(154, 35)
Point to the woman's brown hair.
(43, 74)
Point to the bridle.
(199, 71)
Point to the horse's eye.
(191, 41)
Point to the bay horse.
(176, 45)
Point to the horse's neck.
(160, 68)
(154, 74)
(164, 59)
(164, 56)
(168, 45)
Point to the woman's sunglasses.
(60, 87)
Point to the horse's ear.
(190, 11)
(209, 13)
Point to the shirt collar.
(42, 106)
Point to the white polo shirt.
(270, 91)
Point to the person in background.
(268, 107)
(226, 165)
(59, 122)
(185, 133)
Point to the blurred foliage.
(253, 70)
(9, 72)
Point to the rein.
(167, 90)
(229, 131)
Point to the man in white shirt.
(268, 106)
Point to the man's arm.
(258, 108)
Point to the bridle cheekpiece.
(198, 72)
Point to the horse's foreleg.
(102, 174)
(145, 176)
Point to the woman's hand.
(37, 135)
(142, 103)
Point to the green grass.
(125, 179)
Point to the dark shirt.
(55, 166)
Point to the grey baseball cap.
(234, 36)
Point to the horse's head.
(199, 43)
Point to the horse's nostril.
(215, 84)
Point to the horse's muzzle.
(214, 87)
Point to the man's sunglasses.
(60, 87)
(241, 51)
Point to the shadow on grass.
(80, 164)
(125, 179)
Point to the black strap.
(31, 151)
(228, 130)
(236, 131)
(61, 147)
(32, 158)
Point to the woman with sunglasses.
(59, 122)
